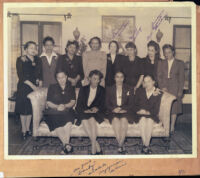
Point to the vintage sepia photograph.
(96, 80)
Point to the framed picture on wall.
(120, 28)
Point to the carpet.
(179, 144)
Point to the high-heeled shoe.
(29, 133)
(121, 150)
(66, 150)
(144, 150)
(23, 136)
(99, 152)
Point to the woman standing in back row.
(151, 60)
(94, 60)
(133, 67)
(29, 71)
(114, 63)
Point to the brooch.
(63, 92)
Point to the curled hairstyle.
(116, 43)
(156, 47)
(169, 47)
(74, 42)
(95, 38)
(48, 38)
(96, 72)
(28, 44)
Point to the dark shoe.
(149, 150)
(67, 149)
(24, 136)
(29, 133)
(144, 150)
(99, 153)
(121, 150)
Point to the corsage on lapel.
(128, 93)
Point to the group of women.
(121, 88)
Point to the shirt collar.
(171, 60)
(52, 54)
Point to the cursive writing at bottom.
(90, 167)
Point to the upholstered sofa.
(38, 100)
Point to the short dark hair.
(119, 71)
(48, 38)
(96, 72)
(151, 76)
(28, 44)
(95, 38)
(116, 43)
(130, 45)
(170, 47)
(156, 47)
(73, 42)
(60, 70)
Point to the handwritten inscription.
(120, 30)
(90, 167)
(156, 23)
(136, 33)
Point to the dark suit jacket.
(175, 84)
(112, 68)
(111, 98)
(83, 96)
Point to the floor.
(181, 141)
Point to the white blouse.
(92, 95)
(113, 57)
(119, 97)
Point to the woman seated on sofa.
(90, 106)
(147, 106)
(118, 107)
(59, 114)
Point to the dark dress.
(142, 102)
(26, 70)
(111, 103)
(133, 70)
(99, 102)
(150, 69)
(113, 67)
(72, 67)
(56, 95)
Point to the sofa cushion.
(104, 130)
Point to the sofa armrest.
(38, 101)
(165, 110)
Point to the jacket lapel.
(173, 67)
(97, 95)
